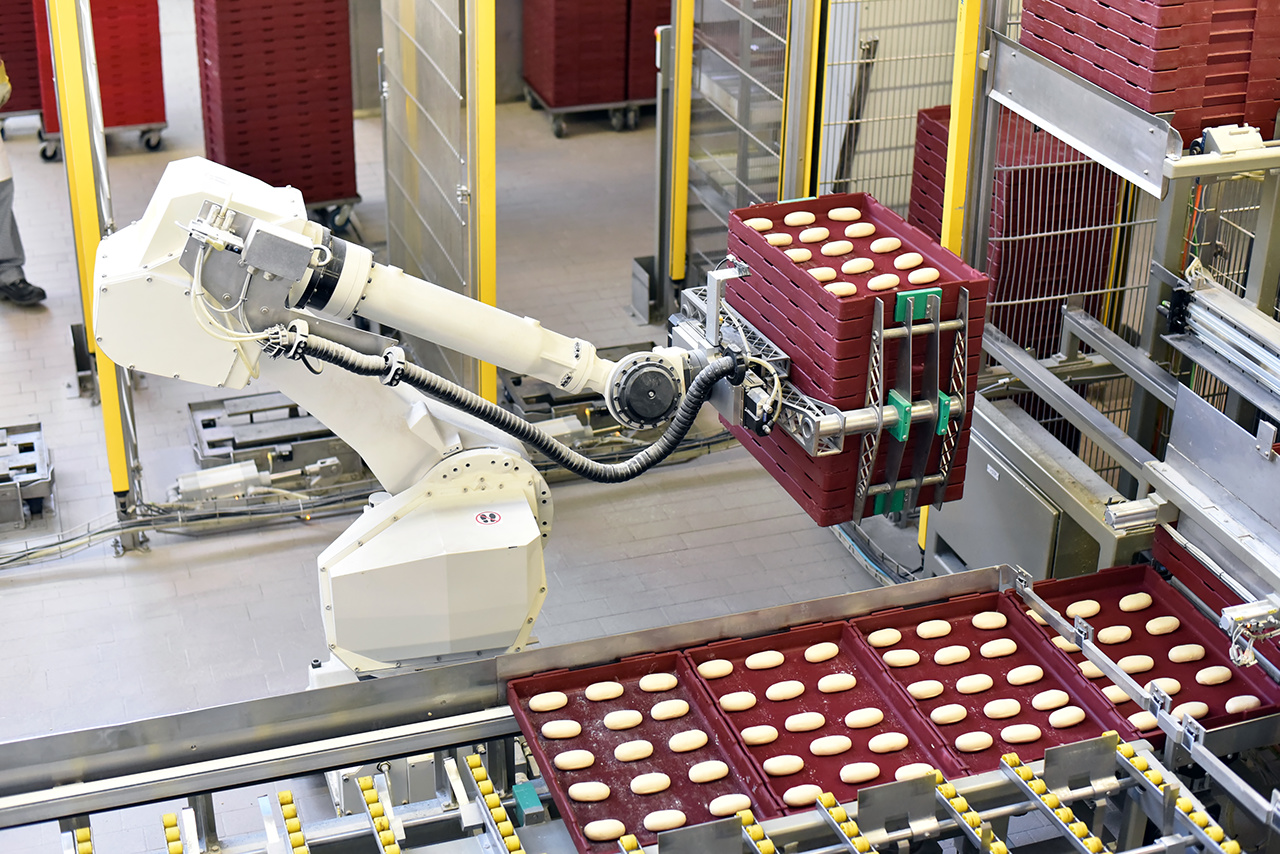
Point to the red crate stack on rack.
(642, 47)
(275, 76)
(18, 50)
(126, 36)
(1048, 233)
(1209, 62)
(828, 340)
(575, 51)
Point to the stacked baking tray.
(575, 51)
(820, 694)
(18, 43)
(126, 35)
(1195, 677)
(1209, 62)
(275, 76)
(644, 16)
(1049, 234)
(828, 337)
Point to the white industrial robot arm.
(223, 270)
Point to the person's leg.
(13, 283)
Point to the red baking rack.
(18, 49)
(894, 346)
(1032, 648)
(1109, 586)
(690, 798)
(872, 690)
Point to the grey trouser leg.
(11, 255)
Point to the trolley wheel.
(338, 218)
(531, 99)
(633, 118)
(151, 140)
(50, 152)
(40, 134)
(618, 120)
(558, 128)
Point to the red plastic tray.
(872, 690)
(630, 809)
(1080, 36)
(1108, 586)
(1033, 648)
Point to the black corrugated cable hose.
(324, 350)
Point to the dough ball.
(954, 654)
(1116, 694)
(799, 254)
(660, 820)
(561, 729)
(863, 718)
(1135, 602)
(1193, 709)
(834, 683)
(709, 771)
(783, 766)
(689, 740)
(1242, 703)
(548, 702)
(925, 689)
(757, 735)
(859, 772)
(1215, 675)
(887, 742)
(1084, 608)
(1090, 670)
(669, 710)
(1068, 716)
(623, 719)
(1036, 618)
(930, 629)
(727, 805)
(588, 792)
(949, 714)
(633, 751)
(836, 248)
(859, 230)
(1143, 721)
(574, 760)
(1136, 663)
(738, 701)
(882, 245)
(1114, 634)
(908, 260)
(913, 770)
(972, 742)
(884, 637)
(795, 219)
(816, 234)
(651, 783)
(1186, 652)
(657, 682)
(802, 796)
(805, 722)
(598, 692)
(1045, 701)
(1026, 674)
(830, 745)
(841, 289)
(844, 214)
(1163, 625)
(998, 648)
(989, 620)
(1020, 733)
(855, 266)
(974, 683)
(820, 652)
(787, 690)
(1167, 684)
(1065, 645)
(604, 830)
(883, 282)
(1000, 709)
(716, 668)
(759, 223)
(923, 275)
(901, 658)
(778, 238)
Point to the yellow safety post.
(805, 38)
(680, 110)
(964, 78)
(485, 198)
(77, 151)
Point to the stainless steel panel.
(1132, 143)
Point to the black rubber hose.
(443, 390)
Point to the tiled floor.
(92, 639)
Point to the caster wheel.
(337, 219)
(633, 118)
(50, 151)
(558, 128)
(151, 140)
(530, 99)
(618, 120)
(40, 134)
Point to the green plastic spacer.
(919, 301)
(902, 406)
(527, 803)
(891, 502)
(944, 413)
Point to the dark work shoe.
(21, 292)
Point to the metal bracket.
(902, 406)
(891, 807)
(915, 303)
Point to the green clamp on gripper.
(944, 413)
(892, 502)
(902, 406)
(918, 300)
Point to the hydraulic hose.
(433, 385)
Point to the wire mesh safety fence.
(1221, 220)
(735, 131)
(885, 61)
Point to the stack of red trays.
(1048, 235)
(126, 35)
(575, 51)
(275, 76)
(18, 50)
(828, 339)
(1209, 62)
(929, 171)
(642, 47)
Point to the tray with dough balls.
(813, 717)
(633, 742)
(987, 681)
(1153, 632)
